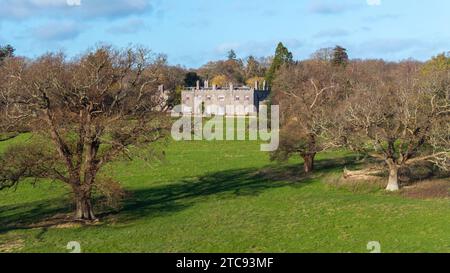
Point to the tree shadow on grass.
(171, 198)
(27, 215)
(161, 200)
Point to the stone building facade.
(230, 101)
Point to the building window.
(221, 98)
(247, 98)
(237, 98)
(208, 97)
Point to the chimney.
(198, 85)
(264, 85)
(231, 86)
(206, 84)
(256, 85)
(214, 87)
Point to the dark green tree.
(191, 78)
(340, 56)
(6, 52)
(232, 55)
(282, 56)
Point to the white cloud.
(74, 2)
(57, 31)
(374, 2)
(23, 9)
(44, 3)
(133, 25)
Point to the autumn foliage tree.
(82, 113)
(220, 81)
(231, 69)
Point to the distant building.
(230, 101)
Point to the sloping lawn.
(227, 197)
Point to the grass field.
(227, 197)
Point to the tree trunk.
(393, 177)
(308, 163)
(84, 210)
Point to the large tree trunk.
(84, 210)
(83, 193)
(308, 162)
(393, 176)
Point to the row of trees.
(234, 70)
(86, 112)
(251, 69)
(243, 71)
(397, 112)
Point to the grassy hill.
(226, 197)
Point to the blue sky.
(192, 32)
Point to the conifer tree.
(282, 56)
(340, 56)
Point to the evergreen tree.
(232, 55)
(282, 56)
(191, 78)
(340, 56)
(6, 52)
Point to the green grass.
(228, 197)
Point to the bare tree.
(399, 115)
(91, 110)
(325, 54)
(308, 94)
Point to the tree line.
(106, 104)
(398, 112)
